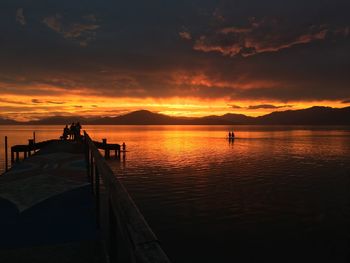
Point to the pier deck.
(47, 208)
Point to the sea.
(274, 194)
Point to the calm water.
(276, 194)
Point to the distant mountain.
(58, 120)
(310, 116)
(7, 122)
(144, 117)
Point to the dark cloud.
(346, 101)
(55, 102)
(267, 106)
(235, 106)
(145, 49)
(20, 17)
(15, 102)
(36, 101)
(265, 35)
(82, 32)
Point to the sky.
(177, 57)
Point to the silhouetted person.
(123, 146)
(72, 131)
(65, 133)
(231, 135)
(77, 131)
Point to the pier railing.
(128, 237)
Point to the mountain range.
(312, 116)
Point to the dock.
(63, 203)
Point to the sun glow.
(24, 108)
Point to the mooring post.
(124, 149)
(6, 157)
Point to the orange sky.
(24, 108)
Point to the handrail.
(129, 237)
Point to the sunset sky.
(178, 57)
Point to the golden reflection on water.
(174, 145)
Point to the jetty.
(62, 202)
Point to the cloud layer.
(261, 36)
(242, 56)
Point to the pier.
(63, 203)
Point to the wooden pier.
(27, 150)
(63, 203)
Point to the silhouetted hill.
(58, 120)
(144, 117)
(310, 116)
(7, 122)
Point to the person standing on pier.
(77, 130)
(72, 131)
(65, 133)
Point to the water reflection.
(271, 192)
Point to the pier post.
(6, 157)
(34, 141)
(25, 155)
(12, 157)
(104, 143)
(92, 172)
(112, 230)
(17, 156)
(31, 146)
(97, 196)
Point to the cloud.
(261, 36)
(55, 102)
(267, 106)
(185, 35)
(82, 32)
(235, 106)
(7, 101)
(36, 101)
(20, 17)
(346, 101)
